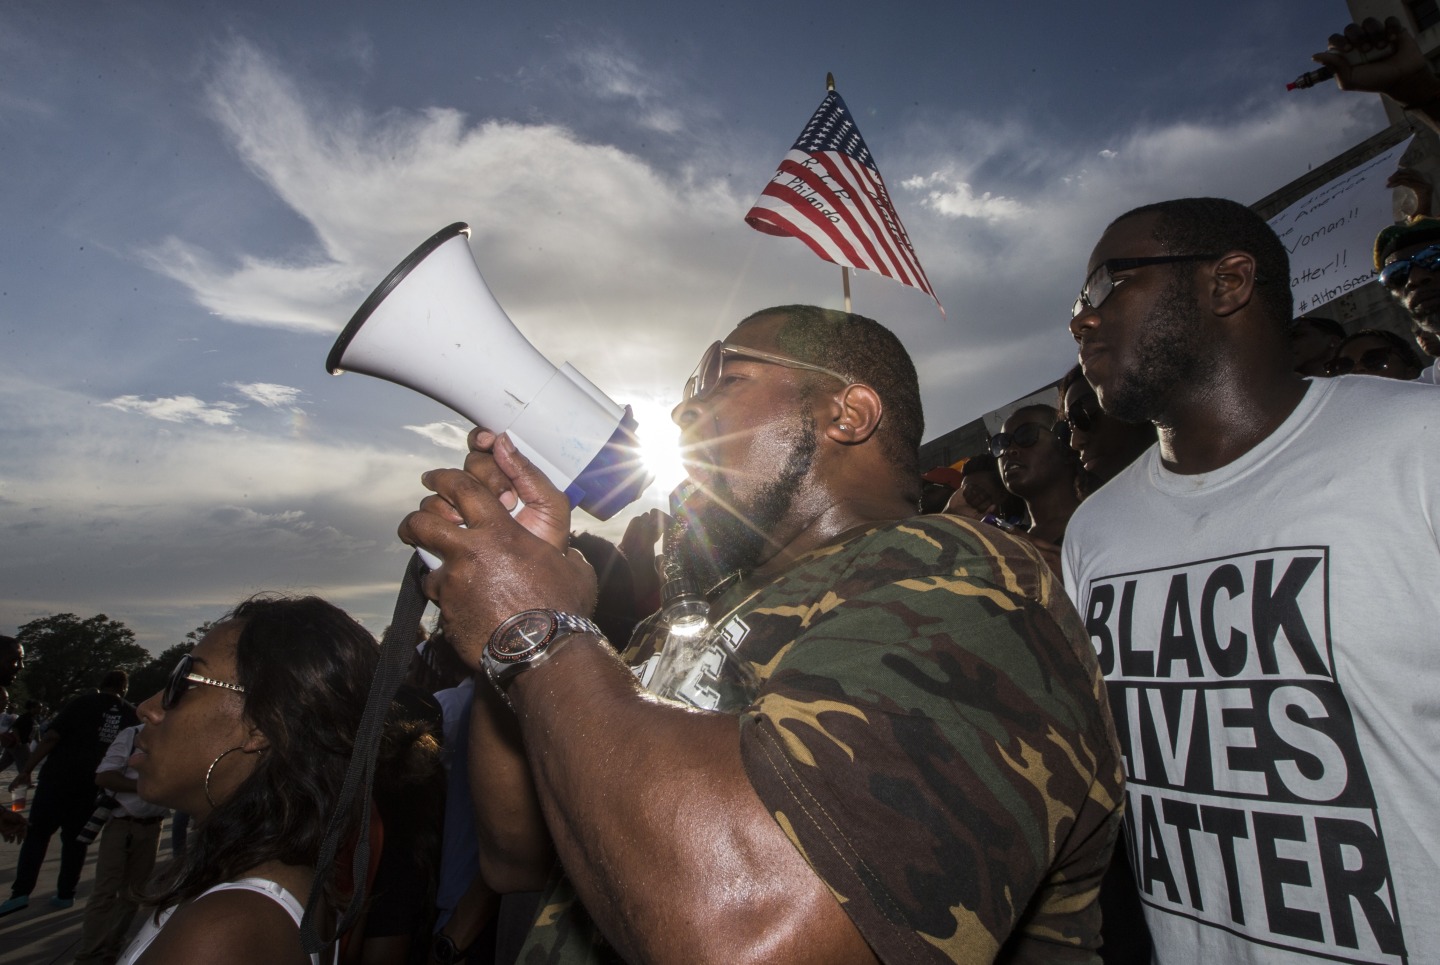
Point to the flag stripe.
(877, 201)
(862, 175)
(887, 208)
(823, 178)
(802, 218)
(775, 224)
(828, 193)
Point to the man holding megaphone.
(917, 763)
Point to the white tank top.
(264, 886)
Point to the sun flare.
(659, 445)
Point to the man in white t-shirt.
(127, 855)
(1260, 588)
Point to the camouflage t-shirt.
(921, 711)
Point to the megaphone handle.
(435, 562)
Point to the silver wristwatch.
(524, 641)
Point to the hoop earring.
(211, 769)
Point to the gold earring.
(211, 769)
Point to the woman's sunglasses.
(1375, 360)
(181, 678)
(1022, 438)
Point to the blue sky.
(197, 196)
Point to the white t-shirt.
(1429, 375)
(129, 803)
(1268, 634)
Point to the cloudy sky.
(196, 196)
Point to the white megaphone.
(433, 326)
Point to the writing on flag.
(829, 194)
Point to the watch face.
(522, 634)
(444, 949)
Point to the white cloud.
(446, 435)
(610, 74)
(178, 408)
(244, 516)
(373, 187)
(178, 518)
(268, 394)
(952, 198)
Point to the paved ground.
(41, 935)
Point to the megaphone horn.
(433, 326)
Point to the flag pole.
(844, 269)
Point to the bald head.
(868, 353)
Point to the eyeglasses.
(1394, 275)
(181, 678)
(1082, 416)
(1101, 283)
(712, 363)
(1024, 437)
(1375, 360)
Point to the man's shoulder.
(909, 574)
(924, 546)
(934, 537)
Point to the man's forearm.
(114, 781)
(657, 826)
(515, 849)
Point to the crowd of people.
(1137, 683)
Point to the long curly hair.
(306, 667)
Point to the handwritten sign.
(1330, 233)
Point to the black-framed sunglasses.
(1024, 437)
(1102, 282)
(1394, 275)
(183, 676)
(1082, 416)
(707, 374)
(1375, 360)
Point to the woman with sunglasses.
(251, 736)
(1038, 466)
(1104, 444)
(1374, 351)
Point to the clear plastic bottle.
(696, 664)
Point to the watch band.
(525, 640)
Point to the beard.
(1170, 351)
(722, 535)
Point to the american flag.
(829, 194)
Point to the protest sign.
(1330, 233)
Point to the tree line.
(66, 656)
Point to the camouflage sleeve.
(938, 750)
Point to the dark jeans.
(55, 807)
